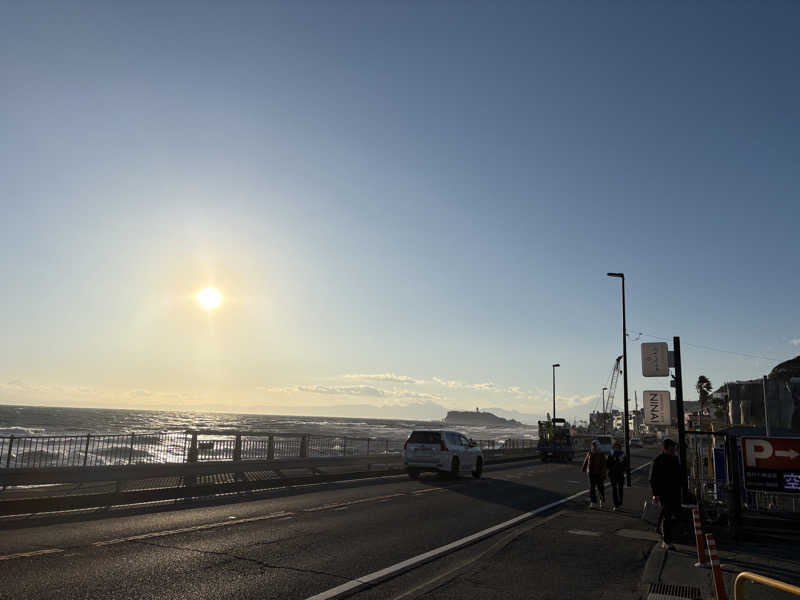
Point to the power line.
(650, 335)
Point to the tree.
(704, 389)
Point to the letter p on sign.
(755, 449)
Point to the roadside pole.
(676, 346)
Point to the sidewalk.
(587, 553)
(577, 553)
(773, 557)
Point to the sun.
(209, 298)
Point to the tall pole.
(625, 383)
(554, 394)
(604, 409)
(676, 346)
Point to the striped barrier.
(716, 569)
(700, 540)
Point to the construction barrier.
(716, 569)
(700, 540)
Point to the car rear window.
(425, 437)
(604, 439)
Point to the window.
(425, 437)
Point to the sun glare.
(209, 298)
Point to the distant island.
(467, 417)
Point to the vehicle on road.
(636, 442)
(606, 443)
(555, 441)
(448, 453)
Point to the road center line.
(32, 553)
(352, 502)
(155, 534)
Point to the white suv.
(446, 452)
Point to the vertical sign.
(655, 359)
(656, 408)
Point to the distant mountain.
(468, 417)
(527, 418)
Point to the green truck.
(555, 441)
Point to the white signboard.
(656, 408)
(655, 359)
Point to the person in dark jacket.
(596, 467)
(665, 482)
(616, 473)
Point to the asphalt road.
(282, 544)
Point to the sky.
(403, 204)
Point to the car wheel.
(413, 474)
(478, 469)
(455, 466)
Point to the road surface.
(281, 544)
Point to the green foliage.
(704, 389)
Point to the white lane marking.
(583, 532)
(155, 534)
(32, 553)
(348, 508)
(408, 564)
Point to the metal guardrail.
(175, 448)
(90, 450)
(746, 576)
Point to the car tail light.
(442, 445)
(405, 444)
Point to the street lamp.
(554, 393)
(604, 409)
(625, 381)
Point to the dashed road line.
(29, 554)
(336, 505)
(155, 534)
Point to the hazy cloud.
(393, 377)
(795, 342)
(348, 390)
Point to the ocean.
(41, 420)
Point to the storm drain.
(665, 591)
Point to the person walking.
(596, 467)
(665, 483)
(616, 473)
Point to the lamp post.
(604, 409)
(554, 394)
(625, 381)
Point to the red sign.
(772, 464)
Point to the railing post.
(237, 447)
(270, 447)
(386, 451)
(367, 446)
(191, 457)
(304, 446)
(193, 454)
(130, 453)
(86, 450)
(10, 446)
(344, 447)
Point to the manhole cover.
(666, 591)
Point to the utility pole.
(625, 382)
(676, 346)
(604, 409)
(554, 395)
